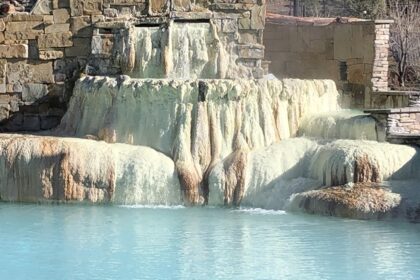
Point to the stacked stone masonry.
(42, 53)
(353, 53)
(398, 122)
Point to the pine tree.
(366, 8)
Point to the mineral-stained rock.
(359, 201)
(37, 169)
(197, 123)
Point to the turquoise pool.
(111, 242)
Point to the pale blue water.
(91, 242)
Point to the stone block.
(244, 23)
(246, 37)
(42, 72)
(229, 25)
(50, 54)
(157, 7)
(258, 17)
(253, 52)
(48, 19)
(14, 51)
(57, 28)
(55, 40)
(61, 16)
(111, 12)
(33, 92)
(23, 17)
(181, 5)
(21, 72)
(86, 7)
(23, 30)
(42, 7)
(81, 26)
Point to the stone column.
(380, 63)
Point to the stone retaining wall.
(353, 53)
(43, 53)
(399, 121)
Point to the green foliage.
(366, 8)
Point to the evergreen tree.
(366, 8)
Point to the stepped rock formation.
(216, 142)
(196, 123)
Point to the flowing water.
(112, 242)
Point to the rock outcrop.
(357, 201)
(41, 169)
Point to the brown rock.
(14, 51)
(361, 201)
(158, 6)
(81, 26)
(23, 30)
(181, 5)
(258, 17)
(55, 40)
(50, 55)
(19, 73)
(86, 7)
(57, 28)
(61, 16)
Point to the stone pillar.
(380, 63)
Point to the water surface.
(111, 242)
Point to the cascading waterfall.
(181, 51)
(169, 132)
(343, 124)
